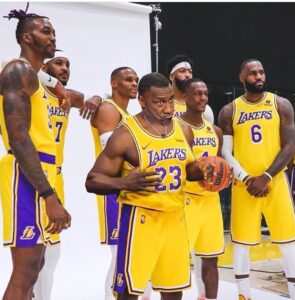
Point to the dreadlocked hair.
(23, 20)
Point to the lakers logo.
(28, 233)
(114, 235)
(187, 201)
(120, 280)
(208, 129)
(142, 219)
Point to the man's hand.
(90, 107)
(141, 181)
(59, 218)
(257, 186)
(63, 96)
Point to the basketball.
(222, 174)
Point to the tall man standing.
(259, 129)
(112, 112)
(202, 208)
(31, 208)
(59, 68)
(148, 159)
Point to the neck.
(35, 60)
(251, 97)
(194, 118)
(122, 102)
(178, 95)
(155, 126)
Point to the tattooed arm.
(287, 135)
(18, 82)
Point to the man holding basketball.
(206, 230)
(146, 162)
(259, 128)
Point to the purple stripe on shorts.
(44, 157)
(120, 279)
(111, 211)
(293, 181)
(27, 229)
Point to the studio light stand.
(156, 9)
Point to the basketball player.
(59, 67)
(180, 69)
(259, 129)
(111, 114)
(146, 160)
(31, 208)
(202, 210)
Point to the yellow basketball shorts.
(59, 188)
(277, 208)
(204, 224)
(108, 210)
(152, 245)
(24, 213)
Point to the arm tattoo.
(287, 135)
(225, 119)
(19, 84)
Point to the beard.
(252, 88)
(179, 83)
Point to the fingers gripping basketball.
(222, 174)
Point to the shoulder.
(18, 74)
(106, 114)
(284, 106)
(120, 139)
(188, 133)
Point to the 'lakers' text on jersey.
(166, 156)
(205, 144)
(179, 108)
(59, 120)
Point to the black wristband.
(245, 178)
(47, 193)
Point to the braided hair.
(23, 20)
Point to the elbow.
(90, 184)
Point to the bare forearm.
(100, 184)
(281, 161)
(77, 98)
(28, 160)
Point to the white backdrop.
(98, 37)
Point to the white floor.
(82, 269)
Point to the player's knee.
(171, 296)
(209, 263)
(28, 271)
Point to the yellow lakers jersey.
(256, 131)
(95, 134)
(168, 157)
(40, 130)
(59, 121)
(205, 144)
(179, 108)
